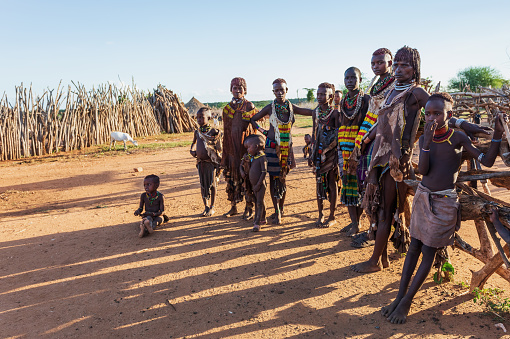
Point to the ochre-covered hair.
(443, 96)
(382, 51)
(413, 56)
(355, 69)
(279, 81)
(239, 82)
(327, 85)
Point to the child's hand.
(137, 212)
(428, 133)
(193, 153)
(494, 215)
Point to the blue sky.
(195, 47)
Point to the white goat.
(120, 136)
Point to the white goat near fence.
(120, 136)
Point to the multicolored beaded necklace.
(281, 109)
(381, 85)
(205, 128)
(152, 199)
(261, 154)
(324, 115)
(345, 105)
(442, 134)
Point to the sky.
(195, 48)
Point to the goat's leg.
(125, 147)
(111, 142)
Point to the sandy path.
(71, 264)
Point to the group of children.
(364, 140)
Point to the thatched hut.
(193, 106)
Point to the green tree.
(477, 76)
(310, 97)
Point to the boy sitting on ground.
(434, 218)
(208, 154)
(256, 172)
(154, 204)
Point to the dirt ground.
(72, 265)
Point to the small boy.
(208, 154)
(154, 204)
(256, 172)
(337, 99)
(308, 146)
(434, 218)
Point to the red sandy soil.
(72, 265)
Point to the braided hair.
(238, 81)
(279, 81)
(412, 55)
(444, 97)
(327, 85)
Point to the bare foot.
(387, 310)
(233, 211)
(384, 260)
(399, 315)
(206, 210)
(248, 214)
(319, 221)
(150, 227)
(256, 228)
(211, 212)
(278, 219)
(346, 228)
(366, 267)
(263, 222)
(354, 229)
(140, 234)
(330, 222)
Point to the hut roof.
(193, 106)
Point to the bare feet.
(142, 231)
(211, 212)
(399, 315)
(206, 210)
(361, 240)
(387, 310)
(256, 228)
(233, 211)
(278, 218)
(384, 260)
(346, 228)
(354, 229)
(263, 222)
(150, 226)
(330, 222)
(248, 213)
(319, 221)
(366, 267)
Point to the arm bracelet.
(459, 122)
(496, 140)
(425, 150)
(480, 157)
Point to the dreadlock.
(413, 56)
(444, 97)
(327, 85)
(238, 81)
(382, 51)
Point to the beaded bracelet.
(425, 150)
(459, 122)
(496, 140)
(480, 157)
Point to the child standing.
(208, 154)
(154, 204)
(256, 172)
(434, 216)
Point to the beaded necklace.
(281, 109)
(381, 85)
(358, 100)
(324, 116)
(442, 134)
(403, 87)
(205, 128)
(152, 199)
(261, 154)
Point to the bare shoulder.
(460, 138)
(249, 105)
(215, 131)
(420, 93)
